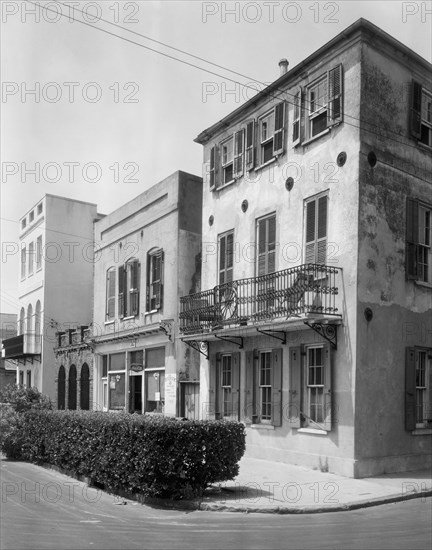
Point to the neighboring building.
(314, 319)
(8, 329)
(55, 287)
(148, 257)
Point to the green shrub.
(15, 400)
(154, 456)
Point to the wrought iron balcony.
(305, 290)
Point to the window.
(21, 378)
(225, 385)
(323, 105)
(421, 114)
(316, 230)
(129, 282)
(227, 160)
(250, 145)
(310, 387)
(265, 261)
(110, 293)
(116, 381)
(155, 380)
(226, 257)
(31, 216)
(418, 388)
(23, 262)
(23, 223)
(155, 274)
(213, 167)
(418, 252)
(29, 384)
(271, 133)
(264, 387)
(31, 258)
(39, 209)
(238, 153)
(39, 253)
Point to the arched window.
(21, 321)
(85, 388)
(29, 321)
(38, 319)
(61, 389)
(72, 390)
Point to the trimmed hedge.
(151, 455)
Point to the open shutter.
(411, 247)
(321, 247)
(159, 297)
(216, 167)
(410, 389)
(295, 388)
(327, 424)
(250, 145)
(296, 118)
(277, 387)
(212, 411)
(235, 385)
(212, 168)
(310, 233)
(148, 280)
(110, 288)
(279, 122)
(334, 111)
(249, 406)
(415, 116)
(122, 286)
(238, 153)
(134, 290)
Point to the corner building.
(314, 317)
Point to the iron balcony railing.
(305, 289)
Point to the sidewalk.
(273, 487)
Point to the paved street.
(42, 509)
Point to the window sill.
(151, 312)
(128, 318)
(310, 140)
(109, 322)
(422, 431)
(312, 431)
(224, 186)
(262, 426)
(423, 283)
(261, 166)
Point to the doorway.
(135, 404)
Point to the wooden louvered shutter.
(321, 248)
(134, 290)
(415, 116)
(111, 289)
(316, 231)
(279, 122)
(250, 145)
(411, 245)
(212, 168)
(235, 385)
(334, 112)
(121, 294)
(296, 118)
(249, 403)
(410, 389)
(327, 424)
(213, 409)
(277, 387)
(310, 233)
(238, 153)
(295, 388)
(158, 279)
(266, 245)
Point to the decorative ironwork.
(167, 325)
(202, 347)
(329, 332)
(273, 334)
(232, 340)
(303, 290)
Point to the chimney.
(283, 64)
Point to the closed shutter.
(296, 119)
(235, 385)
(249, 406)
(266, 246)
(410, 389)
(226, 258)
(411, 247)
(238, 153)
(122, 286)
(216, 167)
(277, 387)
(279, 121)
(334, 112)
(415, 117)
(321, 253)
(310, 233)
(134, 290)
(316, 231)
(110, 285)
(327, 424)
(212, 168)
(250, 145)
(295, 388)
(213, 409)
(159, 297)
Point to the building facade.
(8, 329)
(314, 315)
(149, 256)
(55, 285)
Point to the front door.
(135, 402)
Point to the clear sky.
(109, 118)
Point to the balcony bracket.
(239, 343)
(274, 333)
(202, 347)
(329, 332)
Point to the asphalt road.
(42, 509)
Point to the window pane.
(155, 358)
(117, 361)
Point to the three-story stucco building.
(314, 315)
